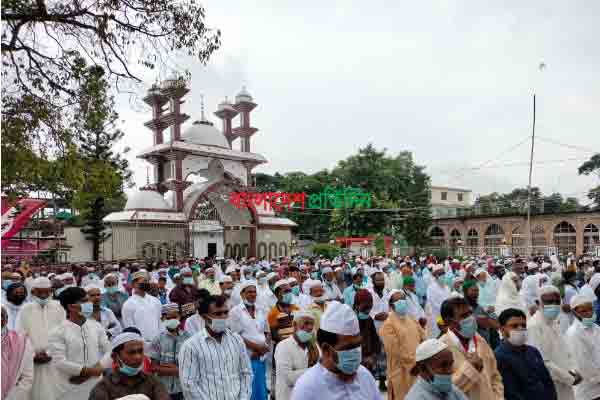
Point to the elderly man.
(317, 294)
(339, 373)
(250, 323)
(332, 291)
(475, 371)
(16, 296)
(17, 363)
(433, 369)
(126, 378)
(544, 334)
(302, 300)
(36, 320)
(583, 339)
(103, 315)
(142, 310)
(185, 293)
(295, 355)
(113, 297)
(209, 282)
(280, 317)
(401, 335)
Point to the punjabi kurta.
(436, 294)
(585, 348)
(423, 390)
(291, 361)
(17, 354)
(143, 313)
(400, 336)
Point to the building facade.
(446, 202)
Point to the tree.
(592, 167)
(105, 172)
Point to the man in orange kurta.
(401, 335)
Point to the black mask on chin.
(145, 286)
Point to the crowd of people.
(303, 328)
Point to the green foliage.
(380, 245)
(440, 254)
(515, 202)
(592, 167)
(326, 250)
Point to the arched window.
(591, 238)
(262, 250)
(206, 211)
(437, 237)
(283, 249)
(565, 238)
(245, 250)
(272, 250)
(455, 236)
(148, 251)
(237, 250)
(518, 239)
(228, 251)
(494, 234)
(472, 238)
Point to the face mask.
(111, 290)
(296, 290)
(362, 315)
(589, 322)
(304, 336)
(357, 286)
(87, 309)
(130, 371)
(551, 312)
(287, 298)
(144, 287)
(349, 360)
(40, 301)
(218, 325)
(188, 280)
(172, 324)
(320, 299)
(401, 307)
(6, 283)
(248, 303)
(314, 275)
(442, 383)
(467, 327)
(517, 337)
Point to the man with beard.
(16, 294)
(142, 310)
(487, 325)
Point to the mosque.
(185, 208)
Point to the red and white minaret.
(226, 113)
(244, 104)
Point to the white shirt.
(332, 290)
(318, 383)
(22, 389)
(108, 319)
(213, 370)
(436, 294)
(291, 361)
(13, 311)
(194, 324)
(585, 348)
(414, 307)
(73, 347)
(251, 329)
(302, 301)
(143, 313)
(379, 306)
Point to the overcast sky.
(451, 81)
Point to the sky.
(450, 81)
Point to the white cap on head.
(309, 284)
(139, 274)
(429, 348)
(292, 280)
(280, 283)
(326, 270)
(134, 397)
(225, 278)
(595, 281)
(272, 275)
(185, 270)
(124, 338)
(340, 319)
(437, 267)
(548, 289)
(479, 271)
(247, 284)
(532, 265)
(580, 299)
(92, 286)
(41, 283)
(230, 269)
(298, 315)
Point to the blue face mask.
(468, 327)
(442, 383)
(589, 322)
(296, 290)
(349, 360)
(287, 298)
(551, 312)
(172, 324)
(87, 309)
(40, 301)
(130, 371)
(188, 280)
(362, 315)
(314, 275)
(111, 289)
(401, 307)
(6, 283)
(304, 336)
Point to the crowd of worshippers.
(414, 327)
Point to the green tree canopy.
(592, 167)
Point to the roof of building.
(205, 133)
(450, 188)
(146, 199)
(145, 216)
(275, 221)
(203, 150)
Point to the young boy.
(164, 350)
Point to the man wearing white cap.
(36, 319)
(583, 339)
(338, 374)
(332, 291)
(437, 292)
(544, 334)
(434, 362)
(142, 310)
(209, 282)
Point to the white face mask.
(518, 337)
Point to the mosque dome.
(243, 95)
(204, 132)
(146, 199)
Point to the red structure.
(347, 242)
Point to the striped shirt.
(213, 370)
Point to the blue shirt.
(349, 293)
(524, 373)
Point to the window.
(459, 196)
(444, 195)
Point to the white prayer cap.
(41, 283)
(437, 267)
(309, 284)
(580, 299)
(209, 269)
(92, 286)
(340, 319)
(292, 280)
(134, 397)
(326, 270)
(546, 265)
(177, 276)
(388, 296)
(479, 271)
(548, 289)
(429, 348)
(185, 270)
(298, 315)
(595, 281)
(225, 278)
(246, 284)
(124, 338)
(272, 275)
(279, 283)
(532, 265)
(64, 276)
(230, 269)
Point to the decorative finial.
(203, 118)
(147, 175)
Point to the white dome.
(243, 95)
(204, 132)
(146, 199)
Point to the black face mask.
(144, 286)
(18, 300)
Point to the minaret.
(226, 112)
(244, 104)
